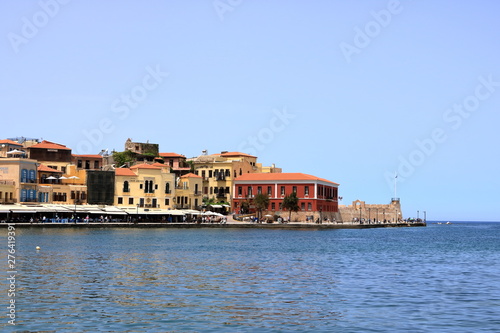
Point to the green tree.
(291, 203)
(123, 157)
(261, 202)
(245, 207)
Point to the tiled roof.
(50, 145)
(10, 142)
(160, 165)
(191, 175)
(44, 168)
(88, 156)
(235, 154)
(124, 172)
(280, 177)
(145, 166)
(171, 155)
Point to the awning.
(215, 206)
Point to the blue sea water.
(439, 278)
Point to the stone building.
(360, 211)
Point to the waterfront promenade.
(229, 224)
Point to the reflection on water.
(231, 280)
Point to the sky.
(386, 98)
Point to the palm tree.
(261, 203)
(291, 202)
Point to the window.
(73, 195)
(228, 173)
(294, 189)
(167, 202)
(269, 190)
(249, 191)
(130, 201)
(63, 169)
(203, 173)
(79, 164)
(227, 189)
(120, 200)
(282, 190)
(209, 173)
(273, 206)
(302, 206)
(309, 206)
(96, 164)
(216, 190)
(87, 164)
(167, 188)
(126, 187)
(306, 190)
(281, 206)
(240, 190)
(259, 190)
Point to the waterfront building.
(54, 155)
(188, 192)
(7, 190)
(88, 162)
(145, 186)
(176, 162)
(219, 171)
(9, 148)
(318, 197)
(22, 174)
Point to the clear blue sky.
(351, 91)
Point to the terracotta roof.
(235, 154)
(49, 145)
(88, 156)
(124, 172)
(44, 168)
(145, 166)
(10, 142)
(280, 176)
(160, 165)
(191, 175)
(171, 155)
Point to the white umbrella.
(51, 177)
(62, 177)
(15, 151)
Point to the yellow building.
(218, 172)
(188, 192)
(145, 186)
(7, 190)
(23, 173)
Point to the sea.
(438, 278)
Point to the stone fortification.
(360, 211)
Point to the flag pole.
(395, 183)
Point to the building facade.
(318, 197)
(145, 186)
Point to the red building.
(318, 197)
